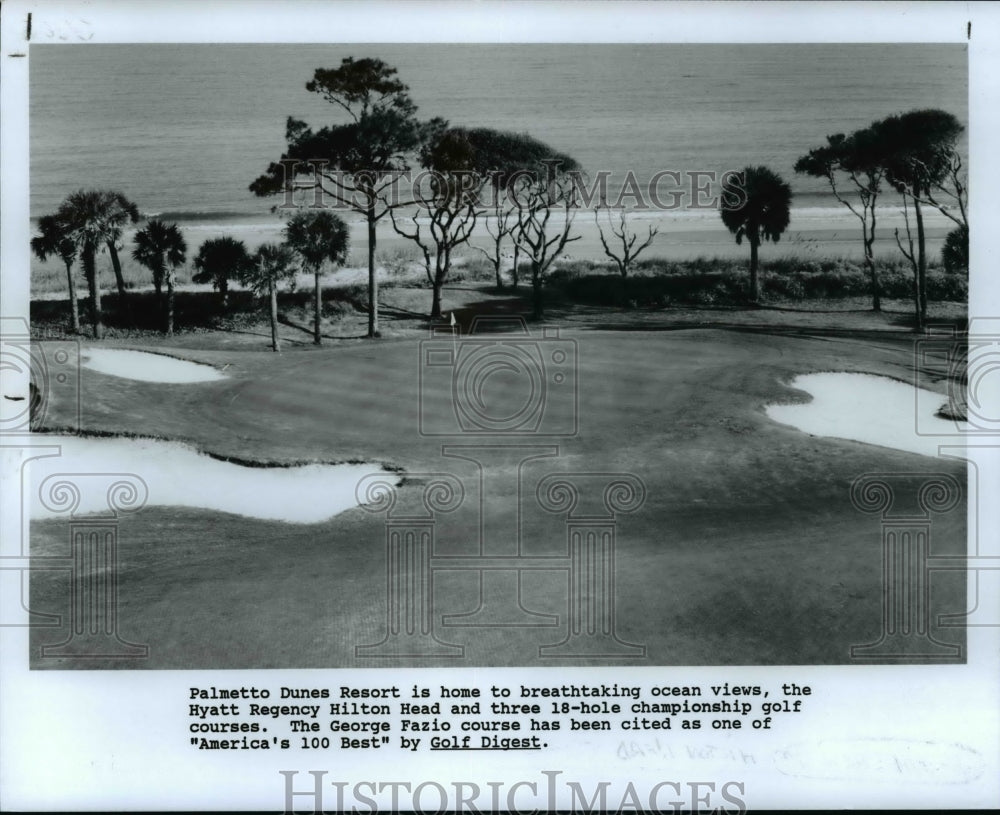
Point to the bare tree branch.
(629, 253)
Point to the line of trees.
(916, 155)
(353, 163)
(534, 198)
(91, 221)
(86, 223)
(356, 164)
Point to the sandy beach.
(814, 234)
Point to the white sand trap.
(147, 367)
(870, 409)
(178, 475)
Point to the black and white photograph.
(423, 403)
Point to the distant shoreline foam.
(238, 219)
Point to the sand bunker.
(147, 367)
(870, 409)
(178, 475)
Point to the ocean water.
(183, 129)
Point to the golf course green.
(747, 550)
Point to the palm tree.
(271, 264)
(161, 248)
(220, 260)
(96, 218)
(83, 216)
(317, 236)
(53, 239)
(119, 212)
(756, 205)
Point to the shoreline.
(813, 234)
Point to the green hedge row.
(724, 282)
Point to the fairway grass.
(746, 551)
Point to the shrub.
(783, 266)
(559, 276)
(776, 286)
(943, 285)
(846, 283)
(724, 282)
(475, 269)
(399, 261)
(896, 282)
(955, 252)
(654, 266)
(603, 290)
(580, 267)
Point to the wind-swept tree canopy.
(763, 212)
(860, 160)
(504, 155)
(353, 164)
(490, 160)
(918, 147)
(358, 85)
(920, 151)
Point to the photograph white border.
(108, 740)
